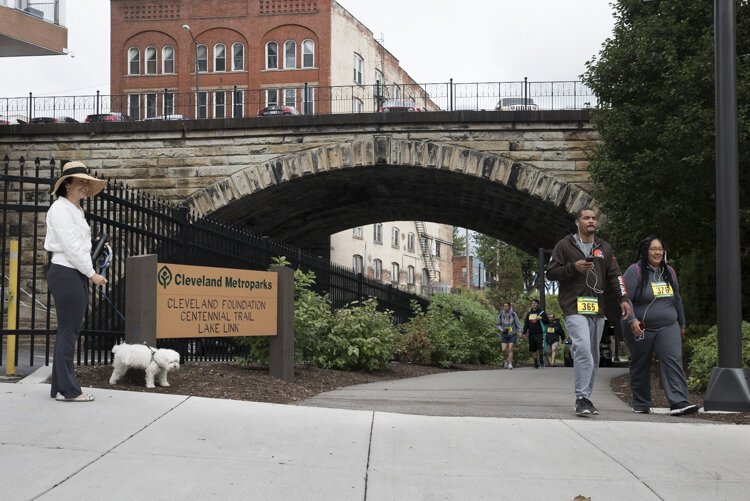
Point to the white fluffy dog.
(139, 356)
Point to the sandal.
(83, 397)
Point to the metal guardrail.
(315, 100)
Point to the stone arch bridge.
(517, 176)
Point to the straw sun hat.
(79, 170)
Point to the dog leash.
(104, 261)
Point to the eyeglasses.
(656, 249)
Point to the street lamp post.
(728, 389)
(186, 27)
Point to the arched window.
(377, 269)
(308, 54)
(220, 57)
(272, 55)
(410, 242)
(410, 275)
(290, 54)
(238, 57)
(202, 52)
(359, 65)
(150, 60)
(167, 59)
(394, 273)
(394, 237)
(357, 263)
(134, 61)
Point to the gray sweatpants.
(667, 344)
(585, 332)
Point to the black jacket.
(606, 273)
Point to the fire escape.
(424, 242)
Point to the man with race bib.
(585, 265)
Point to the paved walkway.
(486, 436)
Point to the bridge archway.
(304, 197)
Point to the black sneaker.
(682, 408)
(583, 407)
(642, 410)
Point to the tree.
(459, 242)
(654, 172)
(512, 269)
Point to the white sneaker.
(505, 364)
(510, 367)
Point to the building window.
(220, 101)
(425, 277)
(359, 64)
(394, 273)
(150, 105)
(238, 57)
(290, 97)
(220, 57)
(308, 54)
(437, 249)
(357, 232)
(272, 55)
(134, 61)
(377, 233)
(168, 103)
(134, 106)
(396, 91)
(238, 103)
(150, 60)
(394, 237)
(379, 77)
(290, 54)
(410, 242)
(202, 54)
(167, 60)
(357, 264)
(377, 269)
(201, 110)
(410, 275)
(272, 97)
(308, 100)
(356, 105)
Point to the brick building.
(312, 55)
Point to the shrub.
(415, 345)
(705, 356)
(361, 338)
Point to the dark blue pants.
(69, 289)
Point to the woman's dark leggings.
(69, 289)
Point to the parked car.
(277, 109)
(168, 117)
(516, 104)
(393, 105)
(109, 117)
(52, 120)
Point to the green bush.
(414, 344)
(455, 329)
(313, 318)
(705, 356)
(361, 338)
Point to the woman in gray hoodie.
(657, 323)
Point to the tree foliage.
(513, 270)
(654, 172)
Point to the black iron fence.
(238, 102)
(140, 224)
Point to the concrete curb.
(39, 376)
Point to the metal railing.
(237, 102)
(48, 10)
(141, 224)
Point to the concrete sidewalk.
(130, 445)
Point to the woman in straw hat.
(68, 240)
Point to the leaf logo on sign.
(165, 276)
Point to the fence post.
(183, 215)
(10, 367)
(97, 102)
(31, 108)
(525, 91)
(450, 94)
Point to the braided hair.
(642, 263)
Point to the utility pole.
(195, 53)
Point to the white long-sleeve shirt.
(69, 236)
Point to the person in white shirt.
(68, 240)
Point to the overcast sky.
(484, 41)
